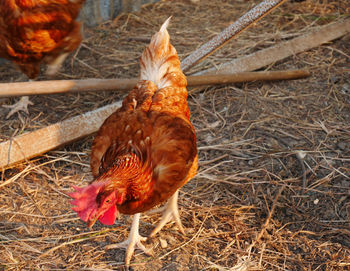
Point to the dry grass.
(247, 209)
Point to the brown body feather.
(36, 31)
(153, 130)
(163, 140)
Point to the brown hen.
(146, 150)
(38, 31)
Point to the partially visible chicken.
(145, 151)
(38, 31)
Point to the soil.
(273, 187)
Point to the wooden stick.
(248, 19)
(241, 77)
(31, 144)
(63, 86)
(276, 53)
(35, 143)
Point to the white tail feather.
(154, 64)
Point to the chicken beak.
(91, 222)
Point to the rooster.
(145, 151)
(38, 31)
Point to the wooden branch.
(31, 144)
(246, 77)
(276, 53)
(248, 19)
(35, 143)
(63, 86)
(26, 146)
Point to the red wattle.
(109, 216)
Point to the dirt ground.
(258, 142)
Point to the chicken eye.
(108, 201)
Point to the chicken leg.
(133, 240)
(55, 65)
(171, 211)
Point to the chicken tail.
(160, 63)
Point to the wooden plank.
(283, 50)
(26, 146)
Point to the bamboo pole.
(64, 86)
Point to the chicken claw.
(133, 240)
(21, 105)
(171, 211)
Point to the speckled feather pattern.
(153, 128)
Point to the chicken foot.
(21, 105)
(171, 211)
(133, 240)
